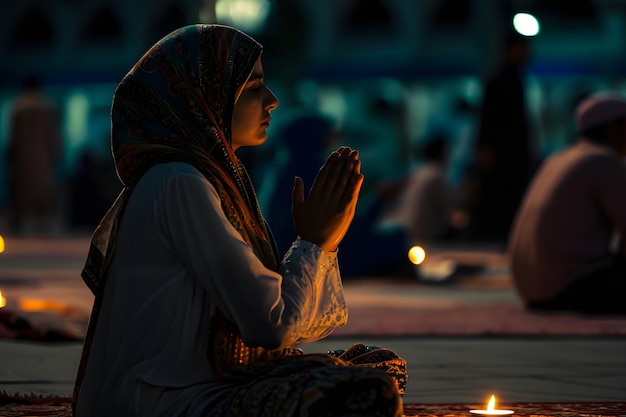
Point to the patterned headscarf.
(176, 104)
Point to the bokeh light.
(247, 15)
(526, 24)
(36, 304)
(417, 255)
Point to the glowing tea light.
(491, 409)
(417, 254)
(3, 300)
(1, 244)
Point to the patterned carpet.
(498, 319)
(14, 406)
(522, 409)
(61, 407)
(472, 305)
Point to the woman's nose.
(272, 101)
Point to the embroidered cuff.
(310, 253)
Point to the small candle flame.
(1, 244)
(492, 403)
(3, 300)
(491, 409)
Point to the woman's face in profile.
(251, 115)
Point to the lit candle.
(491, 409)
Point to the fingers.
(348, 181)
(324, 215)
(297, 193)
(324, 175)
(353, 188)
(334, 178)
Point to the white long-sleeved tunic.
(176, 255)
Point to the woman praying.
(195, 312)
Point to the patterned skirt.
(358, 381)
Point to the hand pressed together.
(324, 216)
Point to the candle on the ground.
(491, 409)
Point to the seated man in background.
(427, 202)
(564, 247)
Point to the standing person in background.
(196, 313)
(561, 248)
(34, 153)
(504, 159)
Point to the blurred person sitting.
(426, 205)
(34, 152)
(562, 247)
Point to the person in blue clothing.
(366, 249)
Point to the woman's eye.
(255, 86)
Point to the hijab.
(176, 104)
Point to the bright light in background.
(3, 300)
(247, 15)
(417, 254)
(36, 304)
(332, 102)
(1, 244)
(526, 24)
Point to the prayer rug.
(21, 406)
(499, 319)
(470, 307)
(25, 405)
(583, 409)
